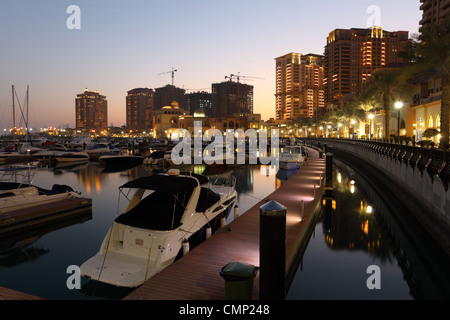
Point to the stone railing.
(423, 171)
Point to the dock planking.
(196, 276)
(8, 294)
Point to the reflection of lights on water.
(339, 177)
(369, 209)
(352, 186)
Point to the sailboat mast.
(14, 115)
(28, 128)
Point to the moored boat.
(148, 236)
(291, 158)
(72, 156)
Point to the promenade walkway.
(196, 276)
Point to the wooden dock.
(8, 294)
(196, 276)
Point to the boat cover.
(167, 183)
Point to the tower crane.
(238, 77)
(172, 72)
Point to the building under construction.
(231, 97)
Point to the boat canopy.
(167, 183)
(163, 209)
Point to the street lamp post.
(398, 106)
(371, 116)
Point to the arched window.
(430, 122)
(438, 121)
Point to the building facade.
(299, 86)
(199, 101)
(165, 96)
(351, 56)
(91, 111)
(140, 109)
(231, 97)
(434, 11)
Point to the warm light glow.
(399, 105)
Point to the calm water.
(347, 239)
(357, 229)
(39, 263)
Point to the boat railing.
(19, 173)
(221, 180)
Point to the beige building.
(166, 120)
(299, 86)
(427, 105)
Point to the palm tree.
(433, 50)
(386, 86)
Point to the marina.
(51, 249)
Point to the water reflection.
(361, 226)
(37, 263)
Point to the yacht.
(150, 233)
(72, 156)
(50, 153)
(121, 161)
(291, 158)
(17, 191)
(14, 196)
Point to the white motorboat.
(148, 236)
(98, 148)
(15, 197)
(50, 153)
(291, 158)
(17, 191)
(72, 156)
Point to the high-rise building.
(351, 56)
(91, 110)
(200, 100)
(165, 96)
(140, 109)
(231, 97)
(299, 86)
(434, 11)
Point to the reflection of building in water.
(391, 237)
(91, 178)
(348, 219)
(244, 178)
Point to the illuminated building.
(351, 56)
(231, 97)
(299, 86)
(434, 11)
(91, 111)
(140, 109)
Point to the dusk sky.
(123, 45)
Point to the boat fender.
(174, 172)
(185, 247)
